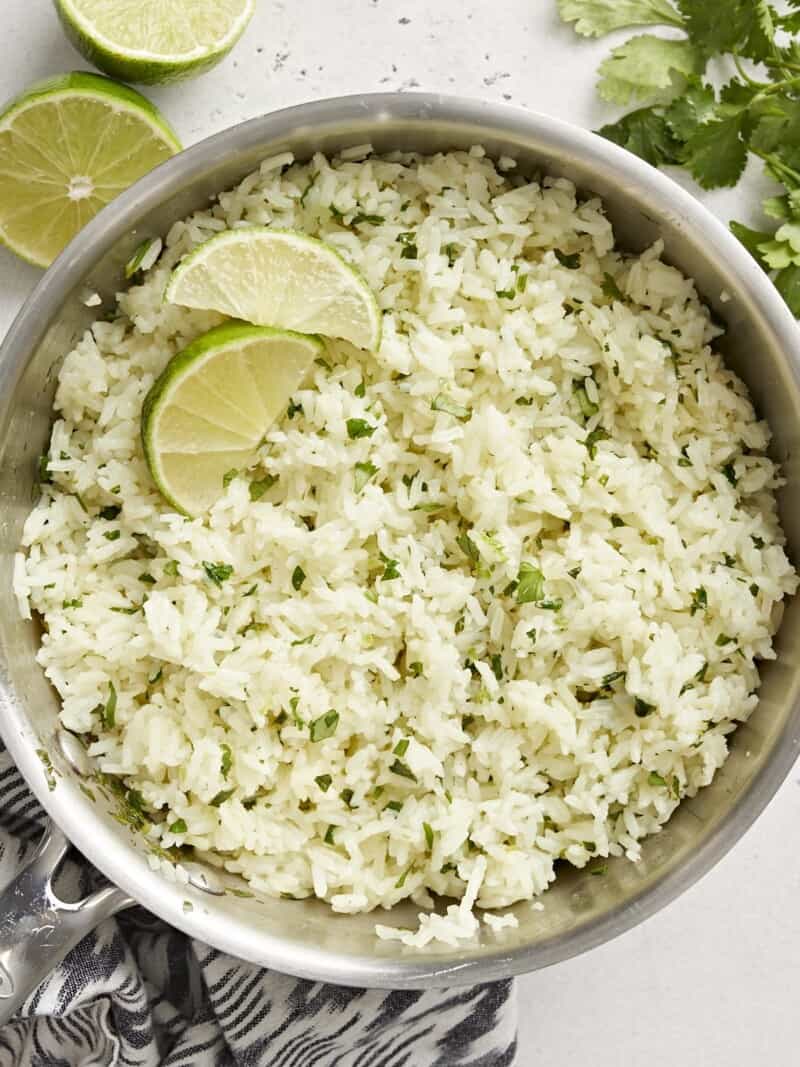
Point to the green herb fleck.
(111, 512)
(217, 572)
(363, 473)
(442, 402)
(328, 839)
(324, 726)
(227, 760)
(357, 428)
(699, 601)
(324, 782)
(263, 485)
(642, 708)
(570, 260)
(228, 477)
(402, 769)
(654, 778)
(221, 797)
(178, 827)
(109, 711)
(171, 568)
(298, 577)
(531, 584)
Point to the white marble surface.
(713, 980)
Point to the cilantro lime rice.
(493, 596)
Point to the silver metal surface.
(304, 937)
(37, 929)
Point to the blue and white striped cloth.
(137, 993)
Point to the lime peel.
(207, 413)
(280, 278)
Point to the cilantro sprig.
(682, 119)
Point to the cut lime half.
(154, 41)
(67, 147)
(204, 418)
(279, 278)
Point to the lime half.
(279, 278)
(67, 147)
(154, 41)
(204, 418)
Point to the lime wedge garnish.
(279, 278)
(154, 41)
(205, 416)
(67, 147)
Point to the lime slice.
(154, 41)
(207, 413)
(67, 147)
(279, 278)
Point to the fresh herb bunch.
(683, 120)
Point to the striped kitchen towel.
(140, 994)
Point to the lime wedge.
(154, 41)
(67, 147)
(279, 278)
(206, 415)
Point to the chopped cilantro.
(360, 390)
(442, 402)
(324, 782)
(506, 294)
(363, 473)
(228, 477)
(357, 428)
(324, 726)
(217, 572)
(402, 769)
(328, 839)
(415, 668)
(699, 601)
(111, 512)
(395, 805)
(263, 485)
(75, 603)
(293, 409)
(171, 568)
(730, 473)
(724, 639)
(610, 287)
(298, 577)
(597, 434)
(401, 747)
(148, 579)
(227, 760)
(391, 571)
(642, 708)
(654, 778)
(178, 827)
(428, 831)
(221, 797)
(113, 535)
(108, 712)
(570, 260)
(531, 584)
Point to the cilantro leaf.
(788, 285)
(645, 133)
(593, 18)
(744, 26)
(694, 106)
(645, 66)
(751, 239)
(716, 154)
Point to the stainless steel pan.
(306, 938)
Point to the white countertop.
(713, 980)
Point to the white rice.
(655, 542)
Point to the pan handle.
(37, 930)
